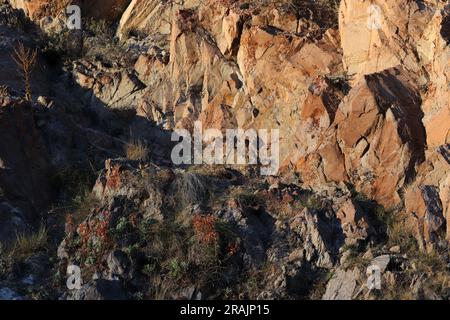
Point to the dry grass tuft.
(191, 188)
(137, 151)
(4, 91)
(26, 245)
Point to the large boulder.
(120, 181)
(342, 285)
(381, 151)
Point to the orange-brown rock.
(99, 9)
(196, 83)
(378, 35)
(379, 130)
(231, 64)
(278, 70)
(153, 17)
(427, 200)
(354, 222)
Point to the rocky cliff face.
(38, 9)
(359, 91)
(232, 64)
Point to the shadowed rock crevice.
(445, 30)
(392, 92)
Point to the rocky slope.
(360, 93)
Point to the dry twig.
(26, 60)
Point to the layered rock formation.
(363, 110)
(365, 104)
(231, 65)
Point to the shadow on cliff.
(72, 131)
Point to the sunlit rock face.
(99, 9)
(365, 103)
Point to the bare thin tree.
(26, 61)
